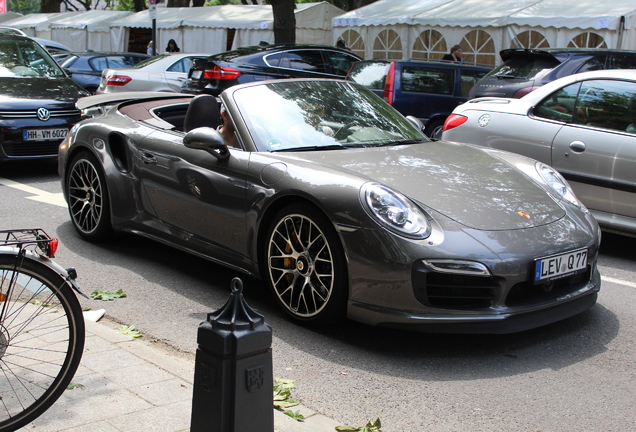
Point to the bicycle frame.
(38, 245)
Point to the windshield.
(526, 67)
(320, 115)
(22, 57)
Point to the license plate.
(196, 74)
(558, 266)
(44, 134)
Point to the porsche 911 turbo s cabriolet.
(339, 203)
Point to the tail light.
(218, 72)
(524, 91)
(389, 84)
(118, 80)
(454, 120)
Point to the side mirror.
(208, 139)
(416, 122)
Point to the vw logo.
(44, 114)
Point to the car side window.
(306, 60)
(99, 63)
(182, 65)
(340, 62)
(559, 105)
(595, 63)
(468, 79)
(428, 80)
(600, 103)
(623, 61)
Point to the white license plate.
(44, 134)
(196, 74)
(558, 266)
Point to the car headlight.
(558, 184)
(395, 212)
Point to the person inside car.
(227, 128)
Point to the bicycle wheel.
(41, 339)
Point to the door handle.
(148, 159)
(577, 146)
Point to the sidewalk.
(132, 385)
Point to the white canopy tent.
(37, 24)
(6, 16)
(208, 31)
(428, 28)
(168, 24)
(90, 29)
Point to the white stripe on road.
(39, 195)
(618, 281)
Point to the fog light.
(460, 267)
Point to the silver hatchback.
(583, 125)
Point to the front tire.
(88, 201)
(306, 267)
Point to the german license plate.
(558, 266)
(44, 134)
(196, 74)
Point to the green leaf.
(107, 295)
(73, 385)
(284, 383)
(371, 426)
(295, 415)
(129, 331)
(346, 429)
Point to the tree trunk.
(48, 6)
(284, 21)
(140, 5)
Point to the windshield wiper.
(401, 142)
(313, 148)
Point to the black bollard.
(233, 373)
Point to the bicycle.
(41, 326)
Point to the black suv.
(428, 90)
(86, 67)
(37, 103)
(525, 70)
(214, 74)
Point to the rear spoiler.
(115, 98)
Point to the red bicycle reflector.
(53, 247)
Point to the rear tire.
(306, 267)
(433, 129)
(41, 339)
(88, 200)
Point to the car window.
(121, 61)
(306, 60)
(26, 58)
(182, 65)
(340, 62)
(428, 80)
(559, 105)
(595, 63)
(623, 61)
(99, 63)
(370, 75)
(468, 79)
(609, 104)
(311, 115)
(524, 67)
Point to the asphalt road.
(576, 375)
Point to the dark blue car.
(428, 90)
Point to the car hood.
(464, 183)
(18, 93)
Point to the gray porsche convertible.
(340, 204)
